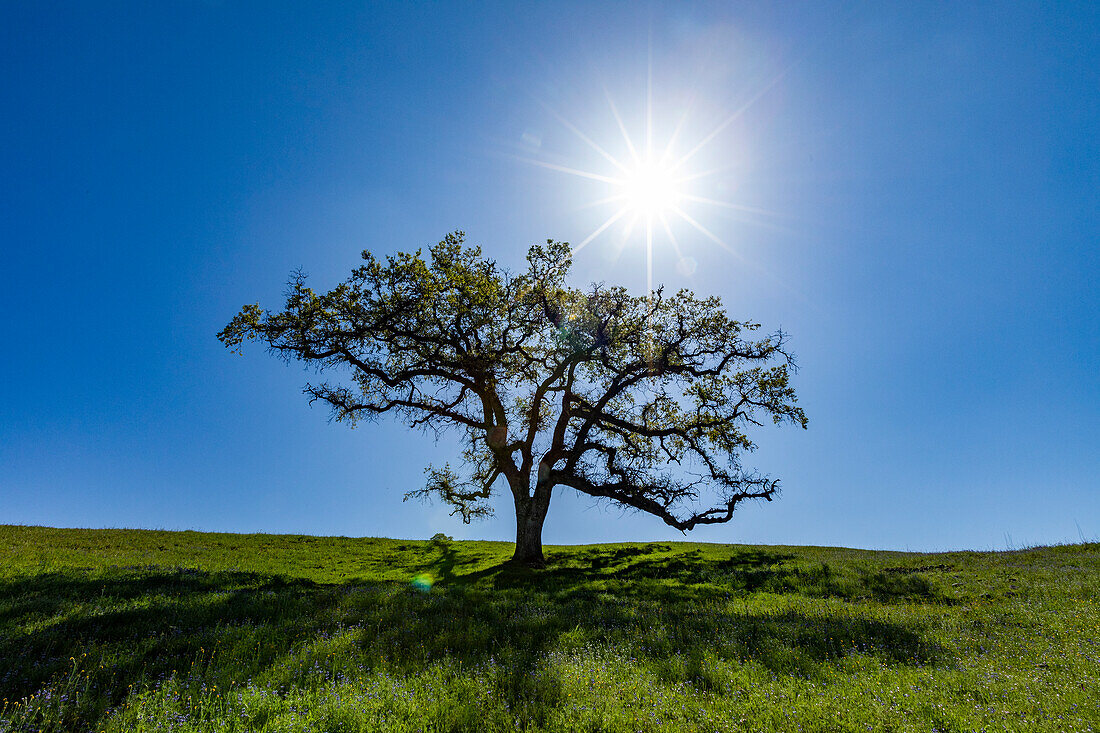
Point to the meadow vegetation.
(127, 630)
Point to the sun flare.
(652, 185)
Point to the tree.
(643, 401)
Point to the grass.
(127, 630)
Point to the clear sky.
(912, 190)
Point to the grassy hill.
(126, 630)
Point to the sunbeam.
(651, 184)
(600, 230)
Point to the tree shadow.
(634, 570)
(119, 630)
(679, 614)
(675, 611)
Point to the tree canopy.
(643, 401)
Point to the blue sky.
(924, 186)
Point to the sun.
(655, 184)
(650, 189)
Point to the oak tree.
(642, 401)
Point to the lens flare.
(423, 582)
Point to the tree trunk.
(530, 514)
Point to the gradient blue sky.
(928, 176)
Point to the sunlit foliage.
(645, 401)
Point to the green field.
(127, 630)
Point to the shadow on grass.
(679, 615)
(744, 572)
